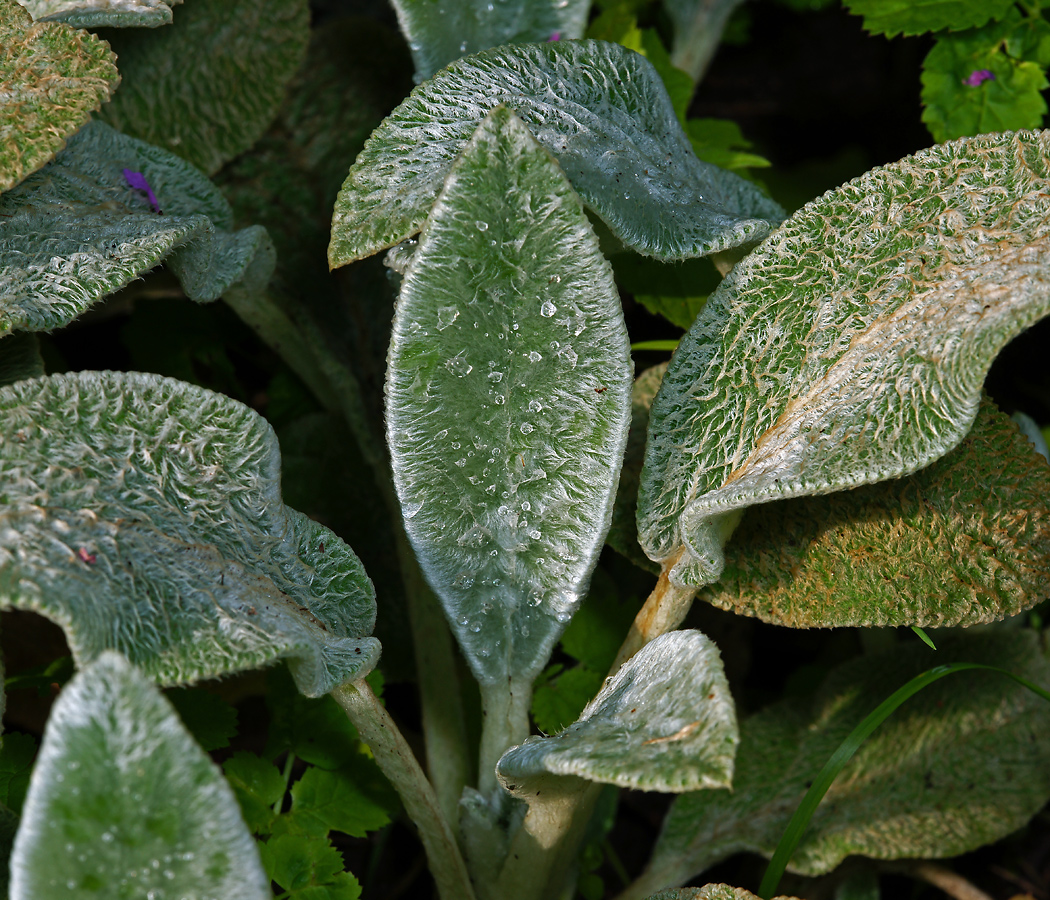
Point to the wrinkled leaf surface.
(103, 13)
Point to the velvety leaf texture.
(144, 514)
(960, 765)
(599, 108)
(664, 722)
(851, 347)
(52, 78)
(123, 803)
(243, 52)
(103, 13)
(963, 541)
(438, 33)
(910, 17)
(508, 398)
(77, 231)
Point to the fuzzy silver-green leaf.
(508, 399)
(103, 13)
(76, 231)
(851, 346)
(122, 795)
(143, 514)
(603, 112)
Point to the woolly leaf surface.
(122, 794)
(508, 397)
(144, 515)
(851, 346)
(599, 108)
(103, 13)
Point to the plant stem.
(397, 762)
(505, 722)
(695, 45)
(286, 774)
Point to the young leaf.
(257, 785)
(664, 722)
(121, 791)
(882, 305)
(959, 766)
(332, 801)
(244, 53)
(103, 13)
(143, 514)
(599, 108)
(440, 33)
(52, 78)
(911, 17)
(77, 231)
(507, 400)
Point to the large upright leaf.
(438, 33)
(144, 515)
(52, 78)
(124, 804)
(102, 13)
(508, 399)
(962, 764)
(599, 108)
(851, 347)
(77, 231)
(664, 722)
(243, 53)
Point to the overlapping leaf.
(961, 765)
(144, 515)
(664, 722)
(851, 347)
(122, 796)
(243, 53)
(599, 108)
(508, 400)
(893, 17)
(103, 13)
(52, 78)
(77, 231)
(438, 33)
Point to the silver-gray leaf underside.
(103, 13)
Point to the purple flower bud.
(977, 77)
(555, 36)
(138, 181)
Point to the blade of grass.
(655, 345)
(926, 639)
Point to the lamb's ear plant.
(817, 453)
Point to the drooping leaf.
(20, 358)
(210, 719)
(960, 765)
(507, 399)
(965, 540)
(438, 33)
(144, 515)
(243, 54)
(882, 306)
(257, 785)
(664, 722)
(52, 78)
(910, 17)
(77, 231)
(103, 13)
(599, 108)
(121, 792)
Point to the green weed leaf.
(244, 54)
(911, 17)
(121, 780)
(257, 785)
(77, 231)
(560, 695)
(599, 108)
(16, 764)
(664, 722)
(52, 78)
(883, 304)
(325, 801)
(308, 868)
(507, 400)
(103, 13)
(210, 719)
(143, 514)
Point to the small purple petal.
(555, 36)
(138, 181)
(978, 77)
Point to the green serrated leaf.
(20, 358)
(314, 729)
(77, 231)
(257, 785)
(559, 697)
(439, 33)
(121, 791)
(210, 719)
(722, 143)
(883, 304)
(244, 54)
(623, 151)
(507, 400)
(911, 17)
(144, 515)
(972, 84)
(16, 763)
(298, 862)
(664, 722)
(325, 801)
(961, 765)
(52, 78)
(103, 13)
